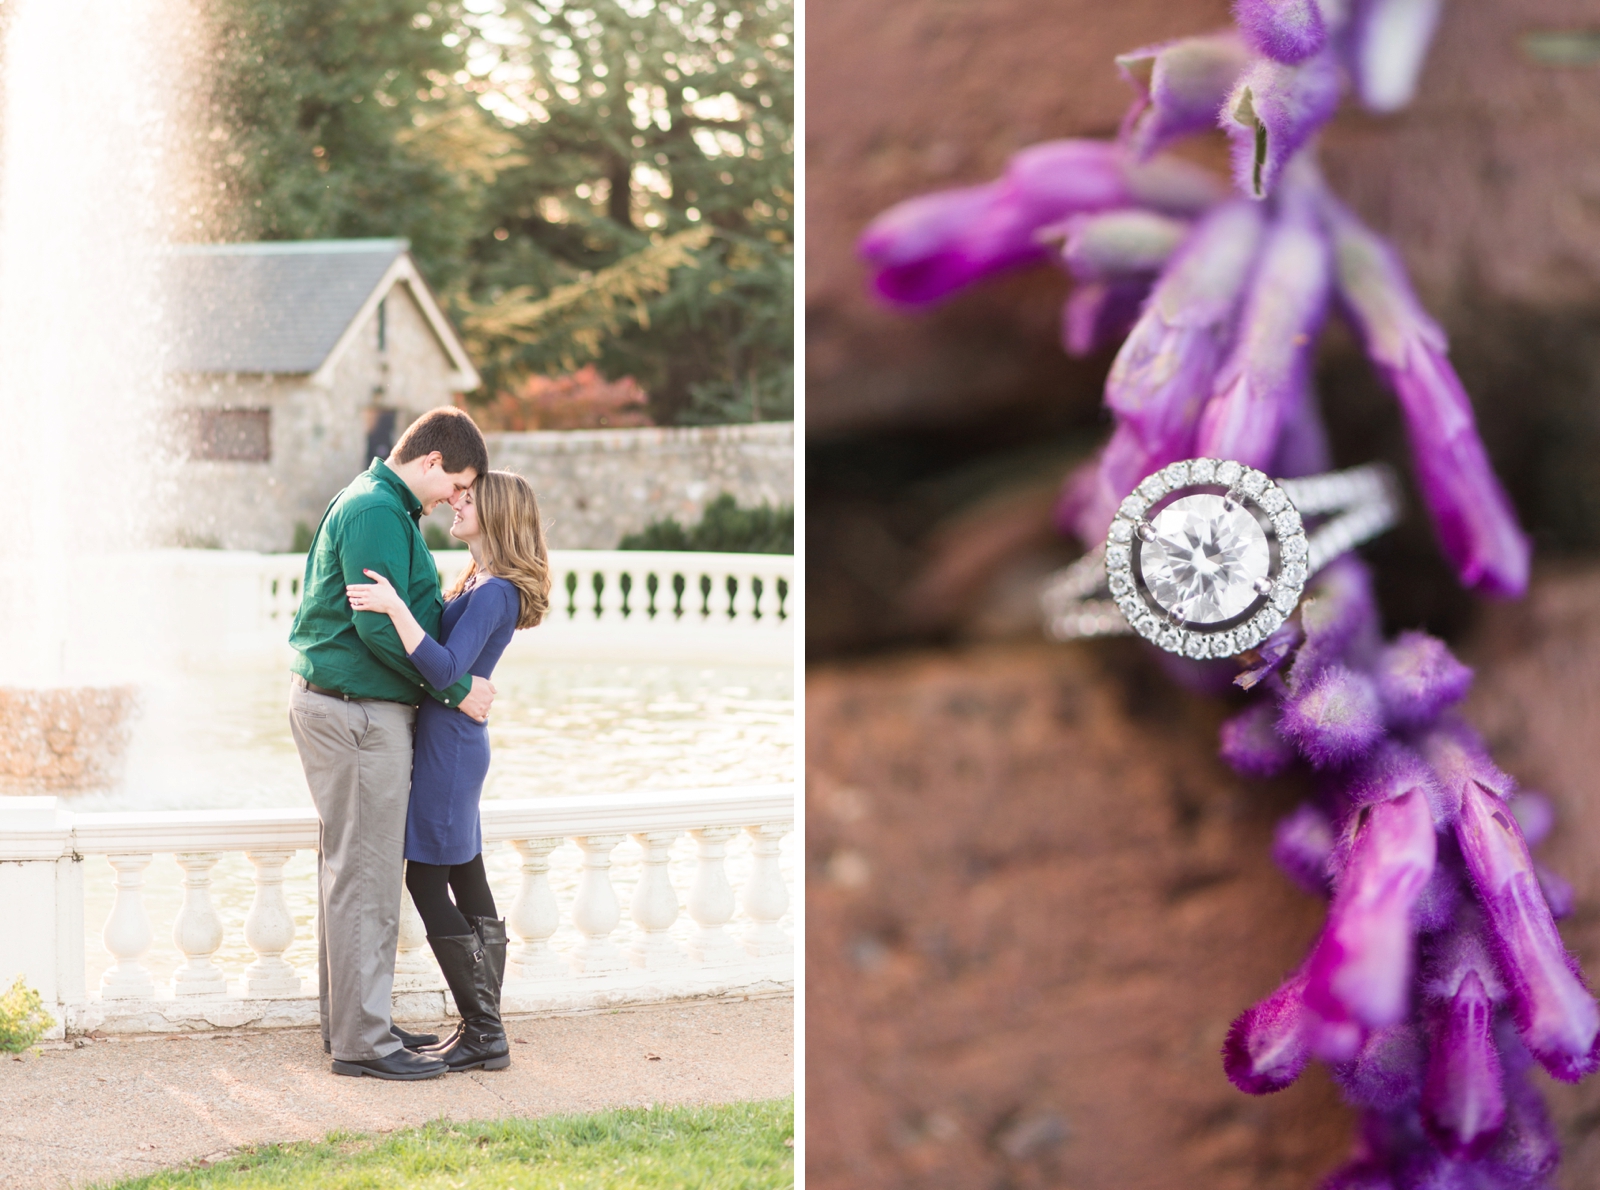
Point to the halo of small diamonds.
(1244, 492)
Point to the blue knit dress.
(452, 750)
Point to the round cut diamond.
(1204, 560)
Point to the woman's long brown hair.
(513, 542)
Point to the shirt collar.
(381, 472)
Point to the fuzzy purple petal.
(1461, 952)
(1439, 901)
(1463, 1100)
(1117, 244)
(1266, 1048)
(1387, 45)
(1387, 1074)
(1163, 374)
(1099, 314)
(1555, 1013)
(1340, 620)
(1418, 677)
(1122, 463)
(1477, 527)
(1364, 1174)
(1360, 969)
(1251, 744)
(1267, 368)
(1336, 719)
(1301, 847)
(1271, 654)
(1459, 759)
(1391, 770)
(1172, 186)
(928, 247)
(1535, 815)
(1527, 1150)
(1272, 112)
(1558, 893)
(1303, 440)
(1181, 86)
(1289, 31)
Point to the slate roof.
(268, 307)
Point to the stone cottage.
(289, 366)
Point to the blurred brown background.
(1036, 899)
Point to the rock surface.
(1036, 900)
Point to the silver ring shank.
(1360, 503)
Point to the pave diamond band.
(1207, 557)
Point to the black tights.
(431, 886)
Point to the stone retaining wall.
(595, 486)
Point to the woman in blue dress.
(506, 587)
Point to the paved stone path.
(124, 1106)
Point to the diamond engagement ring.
(1208, 557)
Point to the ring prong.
(1262, 585)
(1145, 530)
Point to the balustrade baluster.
(414, 968)
(535, 917)
(654, 906)
(611, 595)
(269, 929)
(197, 932)
(596, 912)
(765, 896)
(127, 933)
(744, 601)
(711, 897)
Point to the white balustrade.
(127, 934)
(711, 898)
(269, 929)
(197, 932)
(600, 959)
(595, 911)
(765, 897)
(655, 906)
(534, 916)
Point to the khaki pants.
(357, 760)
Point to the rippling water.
(222, 741)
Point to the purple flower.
(1302, 845)
(1526, 1151)
(1361, 1174)
(1272, 112)
(930, 246)
(1462, 1098)
(1535, 815)
(1555, 1013)
(1360, 969)
(1265, 374)
(1303, 441)
(1181, 86)
(1458, 758)
(1163, 373)
(1119, 244)
(1271, 654)
(1391, 770)
(1336, 719)
(1558, 894)
(1251, 744)
(1386, 1074)
(1387, 44)
(1476, 524)
(1098, 314)
(1289, 31)
(1340, 620)
(1418, 678)
(1089, 506)
(1266, 1047)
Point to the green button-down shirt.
(374, 524)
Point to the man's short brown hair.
(450, 432)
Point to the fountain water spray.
(93, 95)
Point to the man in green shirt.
(352, 709)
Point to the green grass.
(742, 1146)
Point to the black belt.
(323, 690)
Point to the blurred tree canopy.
(600, 183)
